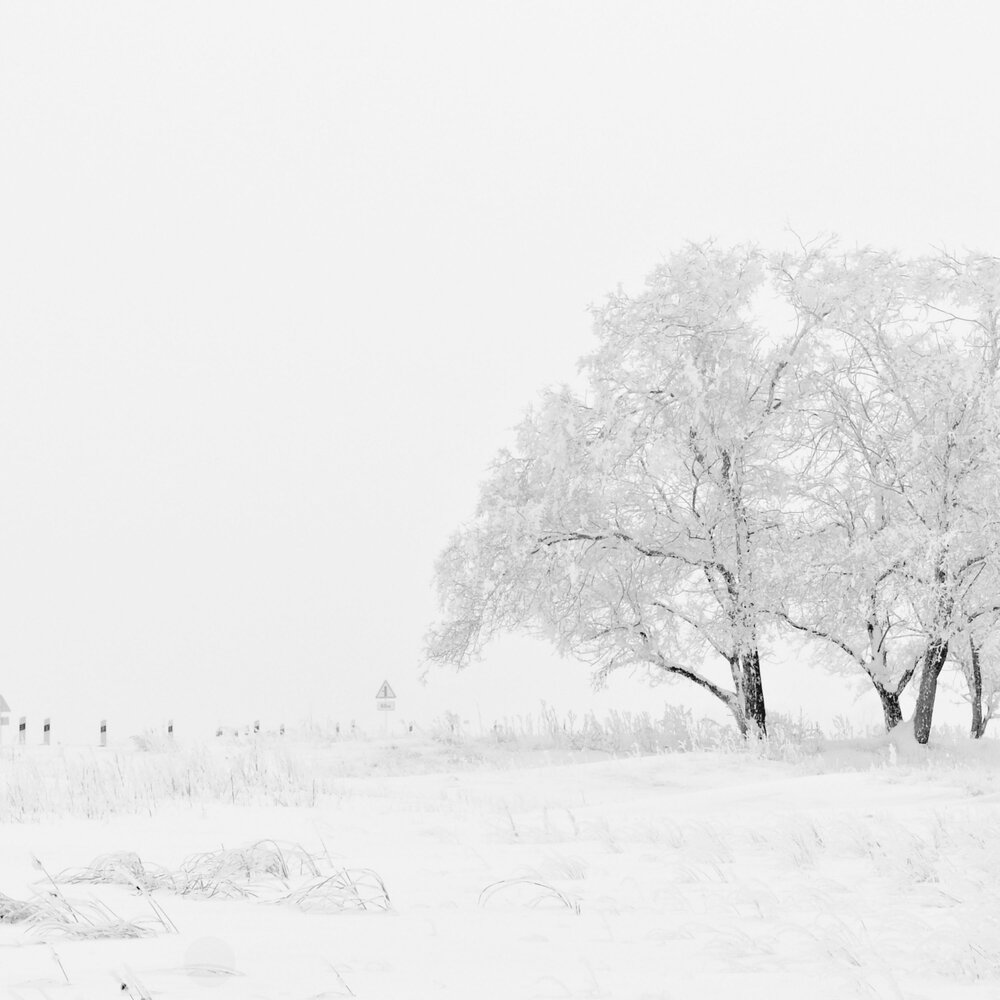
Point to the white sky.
(278, 280)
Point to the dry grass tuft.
(347, 889)
(122, 868)
(50, 915)
(532, 893)
(242, 872)
(264, 870)
(14, 911)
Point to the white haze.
(277, 281)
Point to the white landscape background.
(277, 282)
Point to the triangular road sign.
(385, 691)
(4, 707)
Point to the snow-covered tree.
(898, 529)
(638, 525)
(831, 467)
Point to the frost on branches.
(769, 445)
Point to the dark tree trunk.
(937, 653)
(890, 707)
(976, 692)
(753, 693)
(878, 668)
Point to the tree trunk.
(878, 667)
(976, 692)
(752, 691)
(746, 662)
(937, 653)
(890, 707)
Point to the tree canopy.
(767, 444)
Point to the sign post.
(385, 701)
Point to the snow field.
(516, 873)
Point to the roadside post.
(385, 701)
(104, 732)
(4, 715)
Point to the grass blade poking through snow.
(539, 893)
(348, 889)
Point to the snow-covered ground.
(864, 869)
